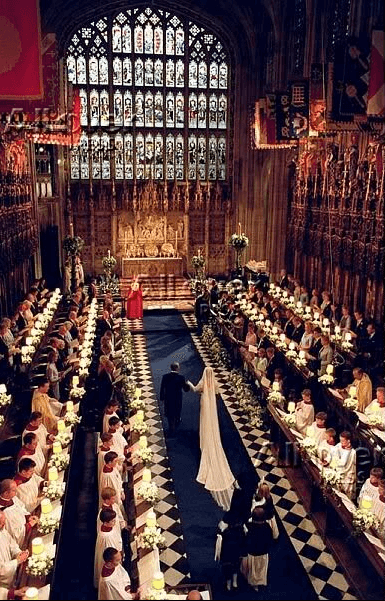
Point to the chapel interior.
(193, 187)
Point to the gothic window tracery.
(153, 98)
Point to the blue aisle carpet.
(168, 340)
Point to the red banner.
(376, 92)
(20, 56)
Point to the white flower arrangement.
(346, 345)
(152, 537)
(289, 419)
(375, 420)
(71, 418)
(300, 361)
(83, 372)
(350, 403)
(275, 397)
(145, 455)
(59, 461)
(26, 359)
(309, 445)
(54, 490)
(291, 354)
(138, 403)
(5, 399)
(148, 491)
(39, 565)
(64, 438)
(140, 427)
(48, 524)
(327, 379)
(363, 520)
(155, 595)
(78, 392)
(280, 344)
(332, 476)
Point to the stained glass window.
(161, 82)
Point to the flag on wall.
(270, 119)
(376, 92)
(299, 110)
(20, 55)
(282, 108)
(350, 79)
(317, 108)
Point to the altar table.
(152, 266)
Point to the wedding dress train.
(214, 471)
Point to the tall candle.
(31, 593)
(138, 392)
(109, 253)
(140, 415)
(46, 506)
(291, 406)
(75, 381)
(61, 425)
(37, 546)
(239, 229)
(146, 476)
(352, 392)
(143, 442)
(69, 406)
(56, 447)
(151, 519)
(71, 229)
(52, 474)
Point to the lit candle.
(307, 309)
(316, 316)
(37, 546)
(31, 593)
(109, 253)
(146, 476)
(61, 425)
(302, 354)
(292, 346)
(56, 447)
(325, 322)
(329, 369)
(353, 392)
(71, 229)
(261, 317)
(291, 406)
(3, 389)
(46, 506)
(138, 392)
(275, 330)
(285, 295)
(282, 337)
(75, 381)
(299, 305)
(276, 386)
(151, 519)
(176, 243)
(140, 415)
(291, 299)
(28, 341)
(239, 229)
(158, 581)
(69, 406)
(337, 330)
(366, 503)
(268, 323)
(143, 442)
(348, 336)
(52, 474)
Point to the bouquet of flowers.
(346, 345)
(73, 245)
(148, 491)
(239, 241)
(309, 445)
(71, 418)
(275, 397)
(327, 379)
(289, 419)
(300, 361)
(152, 537)
(39, 565)
(140, 427)
(64, 438)
(155, 595)
(77, 392)
(350, 403)
(375, 420)
(198, 262)
(291, 354)
(54, 490)
(48, 524)
(363, 520)
(145, 455)
(137, 403)
(331, 477)
(59, 461)
(5, 399)
(109, 263)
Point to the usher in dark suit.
(171, 390)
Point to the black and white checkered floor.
(325, 575)
(173, 559)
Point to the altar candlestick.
(109, 253)
(176, 243)
(71, 230)
(239, 229)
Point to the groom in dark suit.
(171, 390)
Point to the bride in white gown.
(214, 471)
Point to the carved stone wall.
(336, 226)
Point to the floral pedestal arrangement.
(239, 242)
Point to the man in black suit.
(171, 390)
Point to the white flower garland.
(48, 524)
(64, 438)
(332, 476)
(145, 455)
(54, 490)
(140, 427)
(5, 399)
(77, 392)
(59, 461)
(350, 403)
(375, 420)
(71, 418)
(309, 445)
(363, 520)
(156, 595)
(326, 379)
(289, 419)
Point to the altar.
(152, 266)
